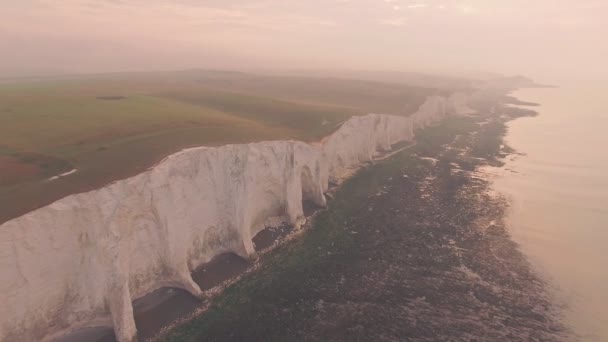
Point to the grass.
(113, 126)
(68, 122)
(306, 120)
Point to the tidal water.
(558, 190)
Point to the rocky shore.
(413, 247)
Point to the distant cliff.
(82, 260)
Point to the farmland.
(108, 127)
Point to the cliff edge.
(82, 260)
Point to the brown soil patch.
(27, 166)
(14, 170)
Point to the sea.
(557, 187)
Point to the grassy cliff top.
(112, 126)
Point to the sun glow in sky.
(539, 38)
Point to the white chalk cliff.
(82, 260)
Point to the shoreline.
(478, 138)
(534, 289)
(557, 203)
(273, 240)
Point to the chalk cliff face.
(83, 259)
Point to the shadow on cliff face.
(165, 306)
(269, 236)
(161, 308)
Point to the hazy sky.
(534, 37)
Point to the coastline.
(467, 141)
(301, 285)
(112, 246)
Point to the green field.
(112, 126)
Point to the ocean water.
(558, 190)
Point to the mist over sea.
(558, 189)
